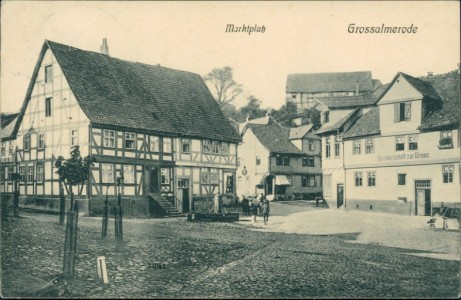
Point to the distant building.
(304, 89)
(160, 128)
(400, 156)
(7, 151)
(278, 161)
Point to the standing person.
(255, 207)
(265, 209)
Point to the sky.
(299, 37)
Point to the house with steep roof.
(280, 162)
(305, 89)
(7, 151)
(403, 156)
(157, 128)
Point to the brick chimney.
(429, 74)
(104, 49)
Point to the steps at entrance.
(169, 209)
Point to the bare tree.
(225, 87)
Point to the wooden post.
(105, 218)
(70, 245)
(15, 178)
(62, 204)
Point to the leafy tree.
(252, 109)
(286, 114)
(225, 88)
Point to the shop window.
(109, 138)
(413, 142)
(401, 179)
(447, 173)
(167, 145)
(48, 74)
(229, 184)
(369, 146)
(154, 144)
(3, 150)
(356, 147)
(308, 181)
(107, 173)
(358, 178)
(27, 142)
(41, 141)
(327, 147)
(371, 178)
(402, 112)
(185, 146)
(446, 140)
(128, 174)
(399, 143)
(39, 173)
(48, 107)
(130, 140)
(206, 146)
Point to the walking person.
(265, 207)
(255, 207)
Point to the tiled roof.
(329, 82)
(8, 122)
(354, 101)
(116, 92)
(447, 87)
(274, 137)
(299, 132)
(425, 88)
(368, 124)
(327, 127)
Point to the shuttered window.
(402, 112)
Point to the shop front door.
(340, 195)
(423, 206)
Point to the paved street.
(226, 260)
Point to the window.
(154, 144)
(167, 145)
(107, 173)
(224, 148)
(3, 151)
(39, 173)
(10, 147)
(48, 74)
(401, 179)
(399, 143)
(229, 184)
(215, 148)
(258, 160)
(305, 161)
(356, 147)
(371, 178)
(27, 142)
(130, 140)
(206, 146)
(22, 174)
(128, 174)
(10, 174)
(413, 142)
(337, 153)
(205, 176)
(326, 116)
(310, 161)
(165, 174)
(308, 180)
(402, 112)
(109, 138)
(30, 174)
(447, 173)
(214, 176)
(358, 178)
(185, 146)
(446, 140)
(327, 147)
(311, 145)
(74, 137)
(48, 107)
(282, 160)
(41, 141)
(369, 146)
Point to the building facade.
(158, 128)
(403, 156)
(7, 152)
(280, 162)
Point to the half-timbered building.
(7, 152)
(159, 129)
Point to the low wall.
(46, 204)
(132, 206)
